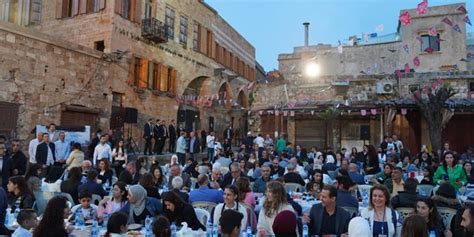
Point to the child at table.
(85, 209)
(26, 220)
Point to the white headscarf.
(358, 227)
(139, 194)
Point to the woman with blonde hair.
(275, 202)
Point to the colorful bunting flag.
(457, 28)
(432, 31)
(462, 9)
(405, 47)
(373, 111)
(363, 112)
(406, 68)
(447, 21)
(466, 19)
(398, 73)
(405, 18)
(429, 50)
(416, 61)
(422, 7)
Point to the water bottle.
(95, 229)
(209, 228)
(79, 218)
(165, 188)
(249, 231)
(305, 230)
(365, 199)
(106, 220)
(148, 222)
(17, 211)
(173, 230)
(432, 233)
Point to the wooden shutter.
(119, 7)
(131, 71)
(137, 16)
(164, 78)
(158, 76)
(64, 8)
(203, 43)
(142, 83)
(210, 40)
(35, 12)
(150, 76)
(101, 5)
(172, 88)
(82, 6)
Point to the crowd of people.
(251, 187)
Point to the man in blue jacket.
(204, 193)
(326, 218)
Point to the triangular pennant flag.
(406, 68)
(416, 61)
(447, 21)
(292, 113)
(285, 113)
(277, 112)
(462, 9)
(373, 111)
(405, 18)
(422, 7)
(398, 73)
(405, 47)
(363, 112)
(457, 28)
(432, 31)
(404, 111)
(466, 19)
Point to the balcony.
(154, 30)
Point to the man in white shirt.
(27, 220)
(53, 134)
(268, 141)
(102, 151)
(32, 147)
(299, 169)
(62, 149)
(260, 142)
(210, 139)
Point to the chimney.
(306, 32)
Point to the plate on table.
(134, 227)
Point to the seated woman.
(105, 173)
(315, 184)
(159, 179)
(108, 206)
(469, 172)
(117, 225)
(19, 196)
(427, 209)
(450, 171)
(140, 206)
(178, 211)
(71, 184)
(445, 196)
(52, 223)
(32, 178)
(382, 219)
(245, 193)
(427, 176)
(231, 201)
(146, 181)
(119, 157)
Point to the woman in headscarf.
(140, 206)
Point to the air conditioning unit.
(384, 87)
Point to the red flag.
(405, 18)
(407, 68)
(447, 21)
(422, 7)
(416, 61)
(429, 50)
(398, 73)
(462, 9)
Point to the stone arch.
(225, 95)
(243, 100)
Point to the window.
(71, 8)
(169, 22)
(92, 6)
(99, 45)
(196, 35)
(140, 74)
(183, 30)
(21, 12)
(430, 43)
(148, 9)
(129, 9)
(210, 42)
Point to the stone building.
(168, 60)
(364, 86)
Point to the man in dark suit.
(46, 152)
(326, 218)
(194, 145)
(172, 136)
(130, 175)
(91, 185)
(6, 165)
(19, 160)
(160, 137)
(229, 133)
(155, 136)
(231, 177)
(148, 134)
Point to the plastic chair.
(193, 183)
(332, 174)
(425, 189)
(96, 199)
(202, 215)
(293, 187)
(208, 206)
(353, 211)
(405, 212)
(447, 215)
(364, 188)
(67, 196)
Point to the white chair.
(96, 199)
(293, 187)
(447, 215)
(41, 201)
(425, 189)
(405, 212)
(368, 178)
(208, 206)
(193, 183)
(202, 215)
(364, 188)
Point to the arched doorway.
(189, 115)
(225, 96)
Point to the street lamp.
(312, 69)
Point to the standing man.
(161, 136)
(229, 133)
(194, 145)
(165, 135)
(155, 136)
(172, 135)
(32, 147)
(53, 134)
(19, 161)
(148, 134)
(5, 166)
(181, 148)
(46, 153)
(210, 140)
(259, 141)
(62, 149)
(102, 151)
